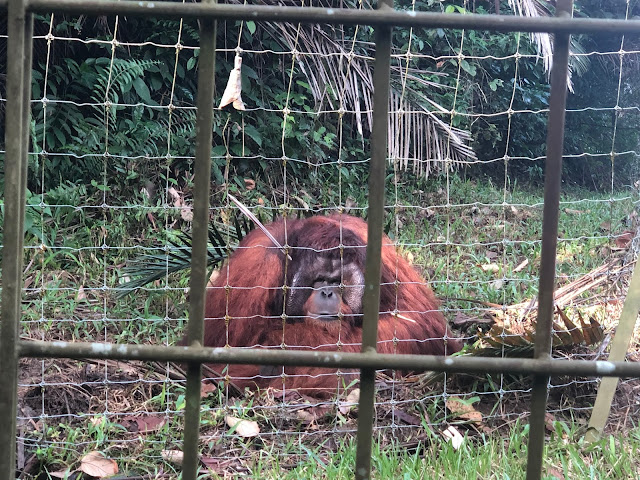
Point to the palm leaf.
(338, 72)
(544, 41)
(148, 268)
(501, 342)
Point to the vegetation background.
(110, 179)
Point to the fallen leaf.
(555, 473)
(207, 388)
(81, 295)
(452, 435)
(146, 192)
(351, 401)
(305, 415)
(95, 464)
(521, 266)
(573, 212)
(177, 198)
(244, 428)
(95, 421)
(549, 420)
(127, 368)
(187, 214)
(152, 220)
(463, 410)
(624, 239)
(490, 267)
(173, 456)
(407, 417)
(145, 423)
(61, 473)
(214, 464)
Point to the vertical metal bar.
(198, 281)
(26, 112)
(16, 134)
(553, 176)
(371, 297)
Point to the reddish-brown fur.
(249, 293)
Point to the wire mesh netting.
(110, 199)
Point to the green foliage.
(78, 136)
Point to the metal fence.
(20, 13)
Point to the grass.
(471, 247)
(486, 456)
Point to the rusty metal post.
(198, 280)
(371, 297)
(20, 32)
(552, 180)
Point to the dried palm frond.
(500, 341)
(339, 73)
(544, 41)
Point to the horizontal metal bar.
(335, 16)
(77, 350)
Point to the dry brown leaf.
(173, 456)
(463, 410)
(562, 337)
(207, 388)
(95, 421)
(555, 473)
(187, 214)
(305, 415)
(521, 266)
(81, 295)
(624, 239)
(144, 423)
(61, 473)
(407, 418)
(549, 419)
(127, 368)
(490, 267)
(177, 198)
(351, 401)
(244, 428)
(573, 212)
(576, 333)
(151, 218)
(95, 464)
